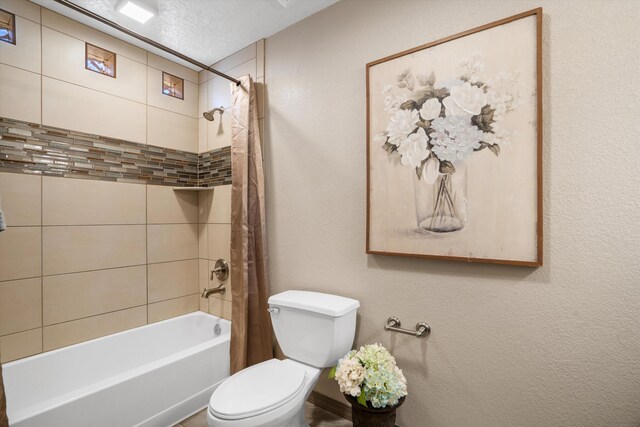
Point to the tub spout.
(219, 290)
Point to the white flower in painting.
(387, 89)
(430, 109)
(503, 93)
(472, 67)
(454, 138)
(414, 149)
(465, 99)
(402, 123)
(499, 135)
(392, 102)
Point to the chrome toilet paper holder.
(393, 324)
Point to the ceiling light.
(135, 10)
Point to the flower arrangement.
(371, 375)
(435, 125)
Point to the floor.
(316, 416)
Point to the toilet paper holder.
(393, 324)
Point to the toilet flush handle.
(273, 310)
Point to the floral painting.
(454, 146)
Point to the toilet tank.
(313, 328)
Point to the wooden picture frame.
(454, 147)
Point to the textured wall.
(558, 345)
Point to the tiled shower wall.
(43, 80)
(82, 259)
(86, 258)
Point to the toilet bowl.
(314, 330)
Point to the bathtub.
(154, 375)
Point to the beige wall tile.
(20, 345)
(219, 131)
(219, 241)
(20, 198)
(20, 305)
(259, 85)
(162, 64)
(203, 282)
(240, 57)
(172, 242)
(73, 107)
(71, 249)
(24, 8)
(187, 106)
(166, 206)
(203, 76)
(76, 331)
(76, 29)
(20, 253)
(63, 58)
(203, 124)
(260, 55)
(215, 206)
(173, 307)
(205, 201)
(172, 130)
(203, 241)
(20, 91)
(219, 93)
(172, 279)
(88, 202)
(25, 53)
(73, 296)
(202, 99)
(220, 307)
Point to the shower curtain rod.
(142, 38)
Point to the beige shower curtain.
(251, 337)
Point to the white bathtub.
(155, 375)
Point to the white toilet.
(314, 330)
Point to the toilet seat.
(257, 390)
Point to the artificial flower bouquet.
(371, 375)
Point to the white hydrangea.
(350, 374)
(454, 138)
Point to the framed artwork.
(454, 147)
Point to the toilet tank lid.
(327, 304)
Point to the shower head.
(209, 114)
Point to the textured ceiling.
(205, 30)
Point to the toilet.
(314, 330)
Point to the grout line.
(96, 269)
(20, 332)
(146, 242)
(94, 315)
(107, 225)
(174, 298)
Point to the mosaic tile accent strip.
(214, 167)
(36, 149)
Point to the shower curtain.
(251, 337)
